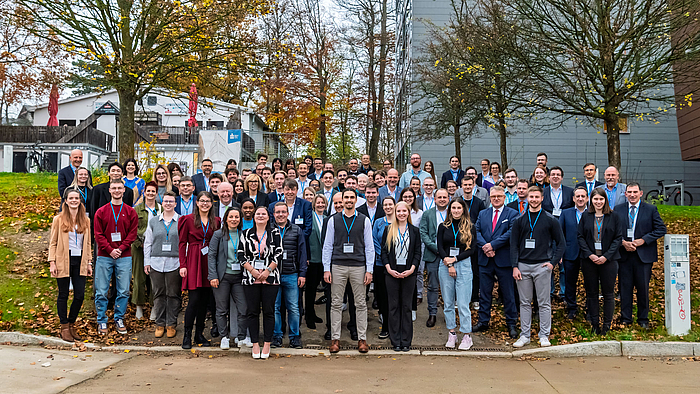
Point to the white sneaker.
(247, 342)
(451, 340)
(475, 306)
(544, 342)
(224, 343)
(413, 315)
(522, 341)
(139, 312)
(466, 342)
(153, 314)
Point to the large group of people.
(264, 240)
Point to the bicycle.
(36, 161)
(664, 194)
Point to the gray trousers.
(536, 278)
(355, 276)
(167, 292)
(433, 285)
(230, 288)
(419, 278)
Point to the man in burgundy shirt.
(116, 224)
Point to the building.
(650, 151)
(162, 116)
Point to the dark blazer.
(218, 254)
(475, 206)
(499, 238)
(65, 178)
(179, 207)
(216, 205)
(650, 227)
(414, 246)
(447, 176)
(567, 198)
(302, 210)
(569, 226)
(516, 206)
(101, 196)
(261, 199)
(377, 215)
(611, 235)
(200, 183)
(479, 180)
(272, 197)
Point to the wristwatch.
(450, 265)
(269, 269)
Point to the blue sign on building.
(234, 135)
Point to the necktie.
(495, 220)
(590, 188)
(522, 207)
(633, 214)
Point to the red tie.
(495, 220)
(522, 204)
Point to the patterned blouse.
(272, 253)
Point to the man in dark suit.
(493, 239)
(186, 200)
(572, 264)
(638, 254)
(371, 208)
(429, 223)
(589, 180)
(278, 194)
(300, 209)
(556, 196)
(520, 205)
(66, 175)
(455, 172)
(101, 195)
(485, 172)
(201, 180)
(226, 201)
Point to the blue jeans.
(433, 285)
(459, 289)
(104, 267)
(289, 289)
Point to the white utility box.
(677, 280)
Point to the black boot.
(214, 329)
(187, 339)
(199, 338)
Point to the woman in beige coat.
(70, 257)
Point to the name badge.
(259, 264)
(348, 248)
(598, 246)
(454, 252)
(630, 233)
(116, 237)
(556, 212)
(284, 255)
(76, 252)
(530, 243)
(400, 261)
(299, 221)
(205, 250)
(166, 247)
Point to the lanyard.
(116, 217)
(83, 195)
(454, 175)
(206, 183)
(319, 222)
(441, 215)
(402, 238)
(76, 237)
(186, 205)
(578, 215)
(558, 197)
(254, 198)
(260, 244)
(346, 224)
(373, 216)
(598, 225)
(282, 230)
(633, 217)
(425, 204)
(153, 211)
(469, 210)
(204, 238)
(532, 225)
(612, 195)
(454, 232)
(235, 244)
(167, 228)
(302, 185)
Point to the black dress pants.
(603, 276)
(400, 294)
(255, 295)
(64, 291)
(634, 274)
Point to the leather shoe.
(362, 346)
(214, 331)
(374, 304)
(405, 348)
(353, 335)
(327, 335)
(644, 325)
(398, 348)
(276, 342)
(383, 335)
(322, 300)
(480, 327)
(431, 321)
(513, 332)
(335, 346)
(311, 325)
(419, 301)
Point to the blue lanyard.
(558, 197)
(260, 245)
(302, 185)
(454, 175)
(153, 211)
(432, 202)
(599, 225)
(441, 215)
(206, 183)
(469, 210)
(454, 232)
(346, 224)
(187, 205)
(532, 225)
(235, 244)
(402, 238)
(83, 195)
(116, 217)
(254, 198)
(578, 215)
(611, 196)
(282, 230)
(204, 238)
(320, 222)
(167, 228)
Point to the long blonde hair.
(65, 218)
(168, 180)
(465, 225)
(393, 229)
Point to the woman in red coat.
(195, 231)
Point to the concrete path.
(399, 374)
(37, 370)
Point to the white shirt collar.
(175, 216)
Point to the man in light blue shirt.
(415, 170)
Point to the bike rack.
(682, 191)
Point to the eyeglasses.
(204, 201)
(169, 202)
(252, 181)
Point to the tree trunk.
(383, 50)
(126, 133)
(504, 144)
(458, 140)
(612, 124)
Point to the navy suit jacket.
(567, 198)
(302, 209)
(65, 178)
(200, 183)
(178, 207)
(384, 191)
(649, 227)
(569, 225)
(447, 176)
(499, 238)
(272, 197)
(378, 214)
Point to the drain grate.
(420, 348)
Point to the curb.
(585, 349)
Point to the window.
(67, 122)
(152, 100)
(215, 124)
